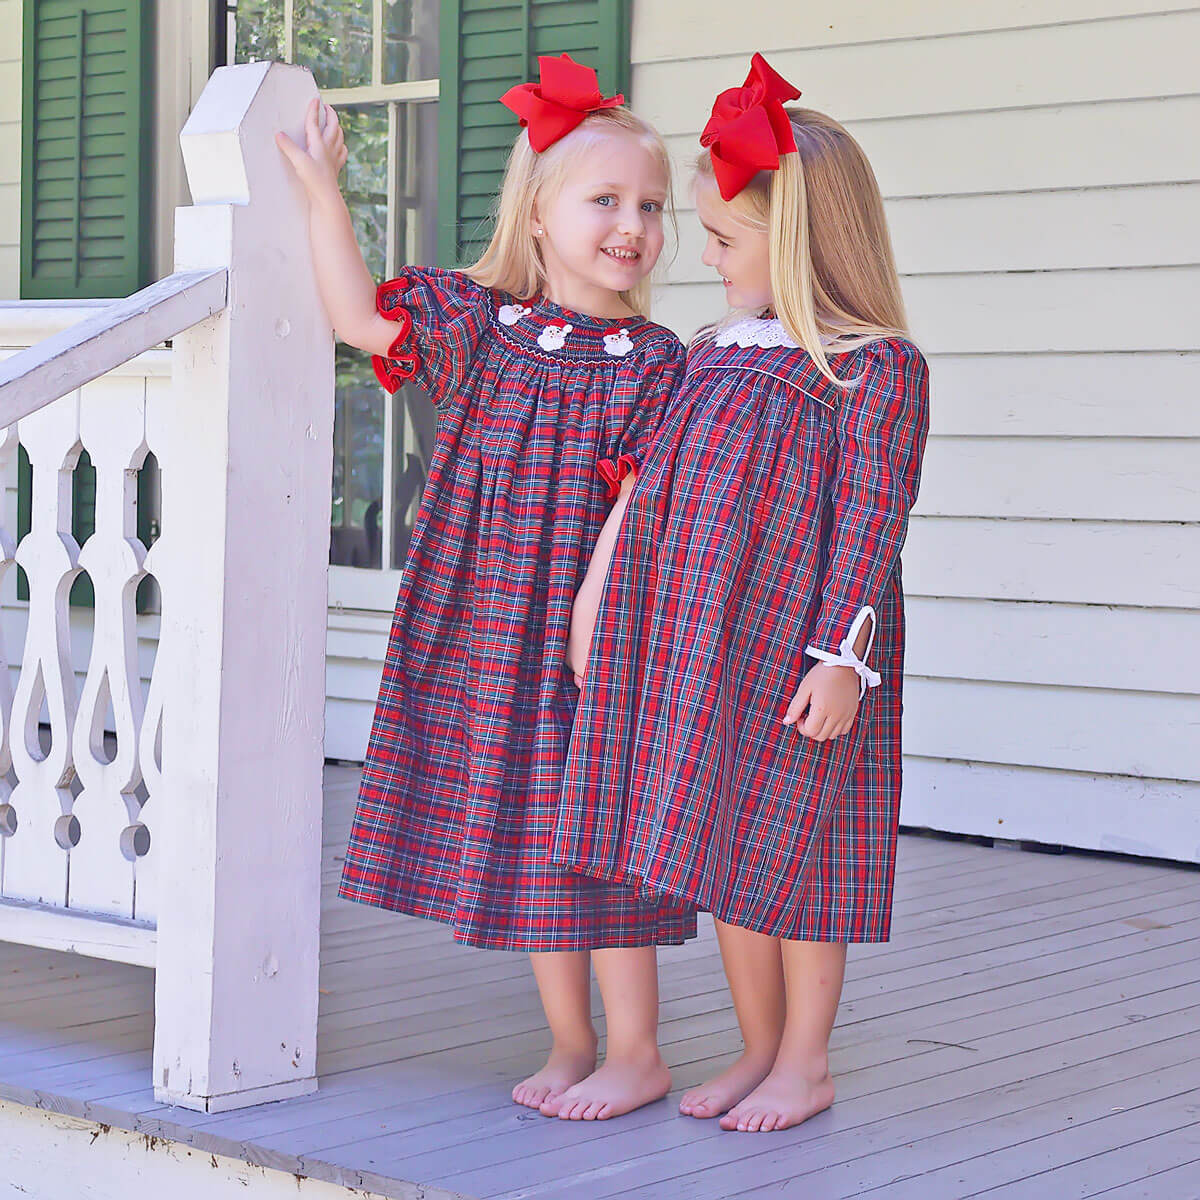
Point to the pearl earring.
(540, 231)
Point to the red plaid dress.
(536, 424)
(770, 511)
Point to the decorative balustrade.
(165, 809)
(76, 832)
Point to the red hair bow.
(566, 92)
(748, 129)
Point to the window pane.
(333, 39)
(356, 537)
(416, 242)
(364, 182)
(356, 517)
(410, 40)
(258, 30)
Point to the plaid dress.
(769, 513)
(540, 412)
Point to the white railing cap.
(228, 141)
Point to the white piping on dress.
(845, 657)
(759, 371)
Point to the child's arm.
(587, 599)
(346, 287)
(881, 428)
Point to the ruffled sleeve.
(640, 402)
(441, 318)
(881, 426)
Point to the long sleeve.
(881, 426)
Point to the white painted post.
(246, 512)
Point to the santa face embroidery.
(553, 336)
(617, 343)
(510, 314)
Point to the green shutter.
(85, 148)
(487, 47)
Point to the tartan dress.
(770, 511)
(540, 412)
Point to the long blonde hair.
(833, 274)
(513, 259)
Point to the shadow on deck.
(1033, 1030)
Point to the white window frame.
(372, 589)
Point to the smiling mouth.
(621, 254)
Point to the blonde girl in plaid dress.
(548, 383)
(743, 683)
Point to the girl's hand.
(830, 696)
(320, 162)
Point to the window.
(416, 83)
(376, 61)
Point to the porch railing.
(169, 813)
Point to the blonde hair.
(833, 275)
(513, 259)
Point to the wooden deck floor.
(1033, 1030)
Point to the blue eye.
(605, 200)
(652, 206)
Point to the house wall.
(10, 148)
(1040, 171)
(1041, 177)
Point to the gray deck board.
(1031, 1030)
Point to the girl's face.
(738, 252)
(602, 231)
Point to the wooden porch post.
(246, 519)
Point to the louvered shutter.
(85, 151)
(487, 47)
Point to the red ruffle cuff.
(399, 365)
(614, 474)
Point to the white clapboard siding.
(1113, 144)
(355, 647)
(1066, 728)
(1026, 311)
(1063, 645)
(10, 148)
(1054, 64)
(664, 31)
(1075, 562)
(1044, 806)
(1103, 479)
(1142, 226)
(1121, 395)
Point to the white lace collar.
(756, 331)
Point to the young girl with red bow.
(743, 684)
(548, 382)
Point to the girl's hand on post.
(826, 702)
(321, 160)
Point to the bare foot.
(722, 1092)
(563, 1068)
(619, 1086)
(783, 1099)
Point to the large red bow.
(748, 129)
(566, 92)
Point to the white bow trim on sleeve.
(845, 657)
